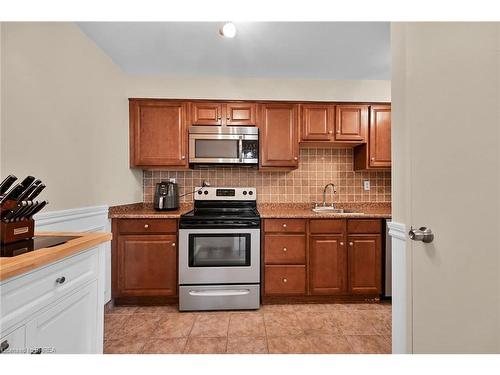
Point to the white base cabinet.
(57, 318)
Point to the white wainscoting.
(86, 219)
(401, 341)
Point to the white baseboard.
(85, 219)
(400, 307)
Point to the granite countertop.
(304, 211)
(146, 211)
(267, 211)
(13, 266)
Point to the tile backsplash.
(317, 167)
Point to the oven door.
(223, 148)
(219, 256)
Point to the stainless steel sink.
(333, 210)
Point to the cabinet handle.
(146, 226)
(285, 280)
(285, 249)
(173, 244)
(341, 244)
(60, 280)
(37, 351)
(4, 346)
(284, 225)
(351, 244)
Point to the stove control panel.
(225, 194)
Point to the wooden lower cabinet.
(144, 264)
(321, 258)
(327, 265)
(365, 264)
(285, 280)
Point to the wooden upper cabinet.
(206, 113)
(158, 133)
(376, 153)
(380, 136)
(241, 114)
(317, 122)
(328, 265)
(365, 264)
(279, 143)
(351, 123)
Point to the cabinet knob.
(60, 280)
(351, 243)
(341, 244)
(285, 280)
(284, 225)
(295, 158)
(173, 244)
(372, 159)
(183, 157)
(146, 226)
(4, 346)
(338, 131)
(285, 249)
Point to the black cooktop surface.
(26, 246)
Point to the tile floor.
(313, 328)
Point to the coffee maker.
(166, 196)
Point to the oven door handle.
(219, 292)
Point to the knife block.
(17, 231)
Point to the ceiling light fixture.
(228, 30)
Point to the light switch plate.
(366, 185)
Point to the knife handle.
(7, 183)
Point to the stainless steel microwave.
(223, 145)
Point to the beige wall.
(65, 110)
(65, 117)
(255, 88)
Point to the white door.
(448, 93)
(69, 327)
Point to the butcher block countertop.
(379, 210)
(32, 260)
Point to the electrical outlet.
(366, 185)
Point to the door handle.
(422, 234)
(240, 146)
(219, 293)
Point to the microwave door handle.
(240, 146)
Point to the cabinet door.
(146, 265)
(351, 123)
(365, 264)
(241, 114)
(327, 265)
(279, 144)
(158, 134)
(380, 136)
(205, 113)
(317, 122)
(68, 327)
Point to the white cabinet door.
(14, 342)
(68, 327)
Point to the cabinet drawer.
(285, 249)
(147, 226)
(285, 225)
(283, 280)
(14, 342)
(327, 226)
(28, 293)
(364, 226)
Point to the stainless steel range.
(219, 251)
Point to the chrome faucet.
(334, 190)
